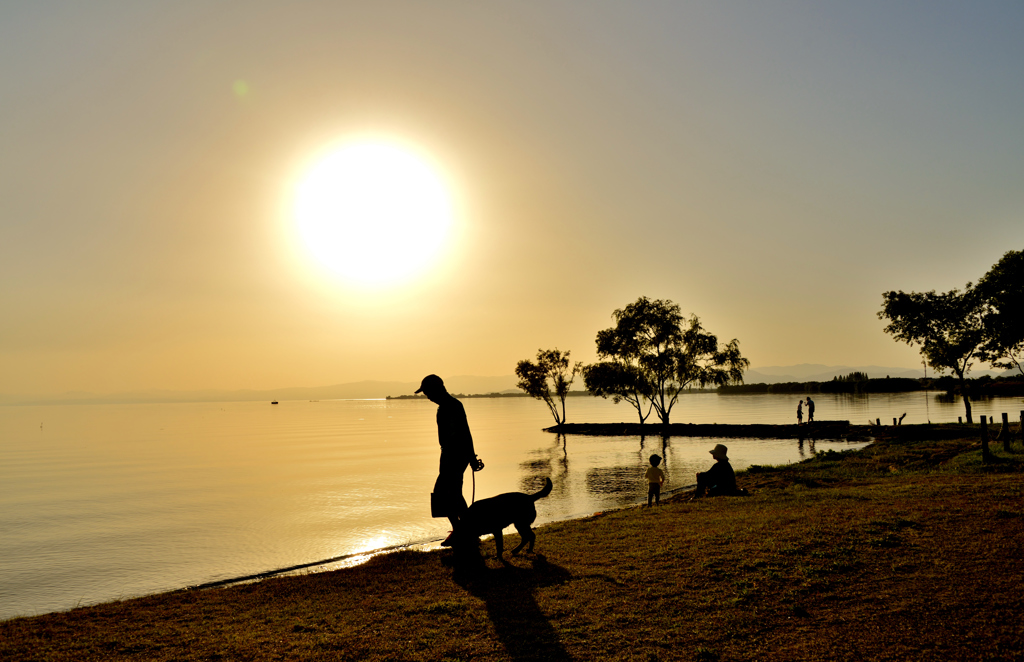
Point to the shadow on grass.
(518, 621)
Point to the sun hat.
(719, 452)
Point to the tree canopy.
(620, 380)
(954, 329)
(949, 327)
(653, 353)
(548, 379)
(1002, 291)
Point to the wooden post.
(1021, 424)
(894, 422)
(960, 420)
(1004, 432)
(878, 421)
(986, 456)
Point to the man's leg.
(456, 510)
(447, 501)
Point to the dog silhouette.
(496, 513)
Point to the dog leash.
(476, 465)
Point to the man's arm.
(474, 462)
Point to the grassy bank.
(910, 549)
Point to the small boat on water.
(273, 402)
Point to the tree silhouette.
(653, 353)
(948, 326)
(548, 379)
(1002, 291)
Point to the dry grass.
(909, 550)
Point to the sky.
(772, 167)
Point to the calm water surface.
(100, 502)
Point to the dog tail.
(546, 490)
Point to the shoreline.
(818, 430)
(364, 556)
(349, 558)
(901, 550)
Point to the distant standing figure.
(800, 412)
(655, 479)
(457, 453)
(810, 410)
(719, 480)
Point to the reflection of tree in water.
(620, 481)
(648, 447)
(536, 470)
(624, 482)
(536, 467)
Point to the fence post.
(1004, 432)
(986, 456)
(960, 420)
(894, 422)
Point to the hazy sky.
(772, 167)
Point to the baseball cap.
(430, 382)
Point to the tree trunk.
(640, 414)
(967, 407)
(964, 395)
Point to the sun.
(373, 212)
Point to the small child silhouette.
(655, 479)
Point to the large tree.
(653, 353)
(620, 379)
(949, 328)
(638, 352)
(701, 361)
(549, 379)
(1002, 293)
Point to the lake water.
(100, 502)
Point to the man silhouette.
(457, 453)
(719, 480)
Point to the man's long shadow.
(509, 594)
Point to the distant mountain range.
(466, 384)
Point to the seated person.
(719, 480)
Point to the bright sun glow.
(373, 212)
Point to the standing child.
(655, 479)
(800, 412)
